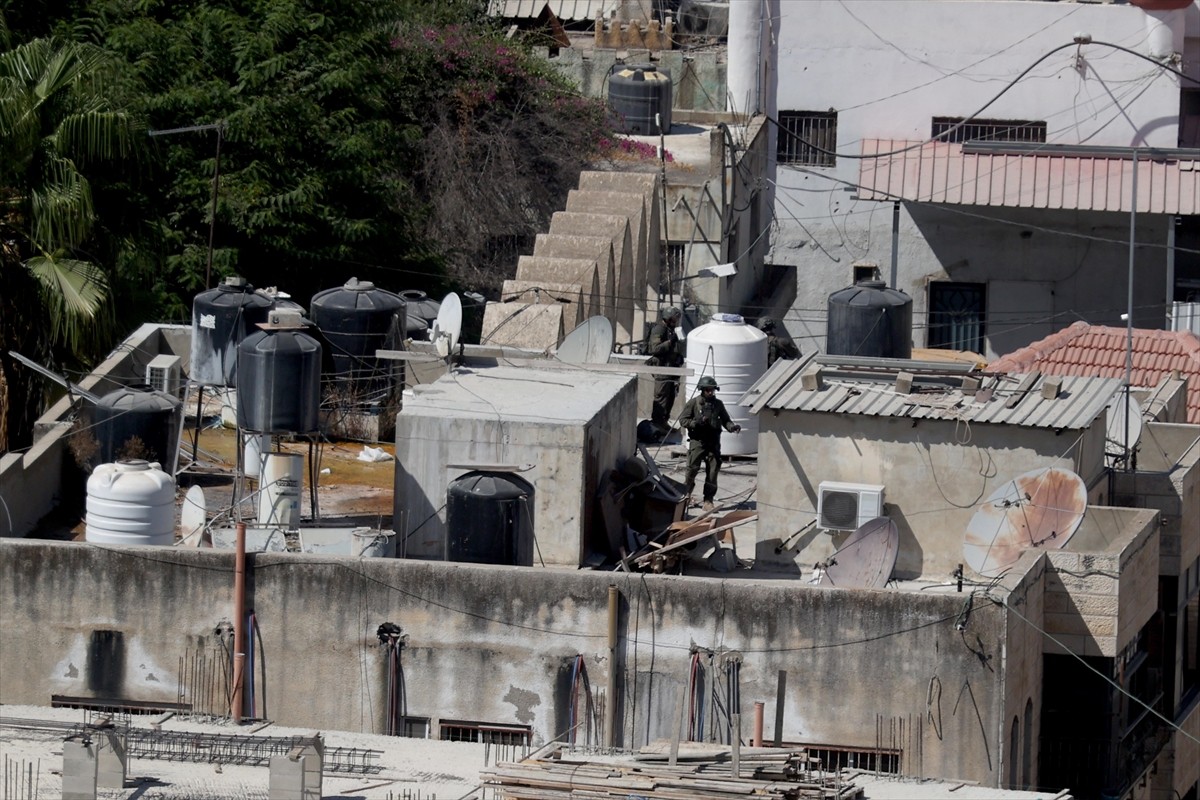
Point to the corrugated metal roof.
(1078, 405)
(1098, 350)
(565, 10)
(938, 172)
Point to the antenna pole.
(1129, 305)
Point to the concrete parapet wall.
(496, 644)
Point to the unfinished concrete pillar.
(111, 760)
(633, 37)
(80, 769)
(297, 776)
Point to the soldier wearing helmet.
(704, 417)
(662, 345)
(777, 346)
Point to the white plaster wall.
(888, 67)
(935, 475)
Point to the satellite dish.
(1041, 508)
(867, 558)
(1119, 435)
(192, 515)
(590, 343)
(448, 325)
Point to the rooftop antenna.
(1039, 508)
(219, 127)
(867, 558)
(72, 388)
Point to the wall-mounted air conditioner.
(846, 506)
(162, 374)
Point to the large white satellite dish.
(590, 343)
(448, 326)
(1040, 508)
(1124, 430)
(867, 558)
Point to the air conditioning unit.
(846, 506)
(162, 374)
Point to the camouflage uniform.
(704, 417)
(780, 347)
(663, 347)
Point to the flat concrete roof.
(506, 394)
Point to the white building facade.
(1022, 236)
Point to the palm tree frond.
(73, 292)
(62, 207)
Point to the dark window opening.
(458, 730)
(956, 316)
(414, 727)
(988, 130)
(1189, 117)
(673, 266)
(800, 135)
(866, 272)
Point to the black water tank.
(356, 320)
(422, 311)
(221, 319)
(870, 320)
(279, 382)
(640, 97)
(136, 422)
(489, 519)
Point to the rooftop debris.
(560, 774)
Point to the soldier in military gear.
(777, 346)
(662, 345)
(704, 417)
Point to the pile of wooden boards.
(558, 774)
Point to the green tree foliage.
(58, 118)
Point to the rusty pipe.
(756, 740)
(610, 703)
(239, 624)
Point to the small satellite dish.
(448, 325)
(1119, 435)
(590, 343)
(867, 558)
(1041, 508)
(192, 516)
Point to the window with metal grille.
(799, 131)
(459, 730)
(988, 130)
(956, 316)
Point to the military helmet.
(670, 312)
(766, 324)
(707, 382)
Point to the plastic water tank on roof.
(279, 382)
(870, 320)
(734, 353)
(422, 312)
(130, 502)
(136, 422)
(356, 320)
(221, 319)
(640, 97)
(488, 519)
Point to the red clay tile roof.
(1099, 351)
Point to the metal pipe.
(239, 629)
(610, 705)
(895, 244)
(1129, 304)
(756, 740)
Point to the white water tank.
(279, 489)
(736, 355)
(130, 502)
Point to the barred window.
(799, 131)
(989, 130)
(459, 730)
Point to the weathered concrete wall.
(1022, 667)
(934, 473)
(30, 482)
(494, 644)
(616, 228)
(595, 248)
(1104, 590)
(566, 458)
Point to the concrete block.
(631, 205)
(568, 296)
(904, 382)
(110, 760)
(530, 325)
(811, 380)
(970, 385)
(562, 272)
(288, 779)
(649, 186)
(80, 770)
(1052, 387)
(594, 248)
